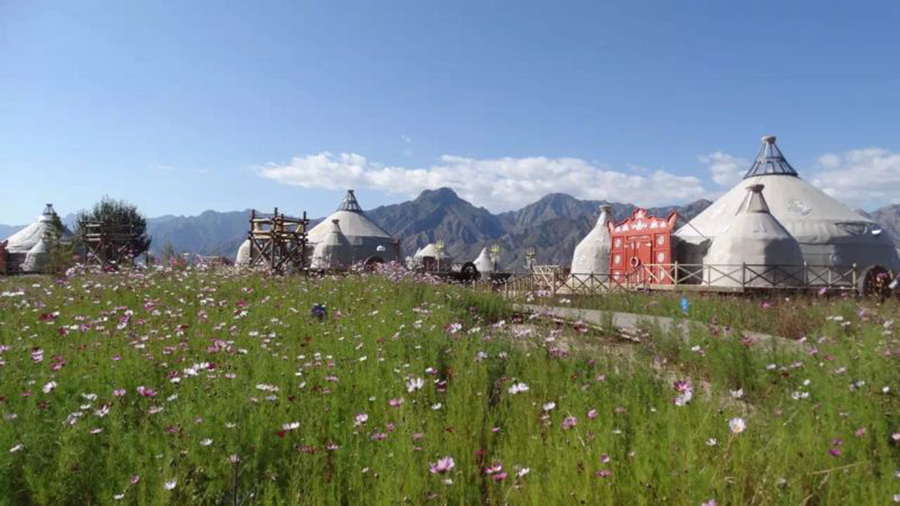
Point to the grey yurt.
(334, 251)
(754, 250)
(829, 233)
(366, 240)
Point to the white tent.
(243, 254)
(27, 248)
(334, 251)
(363, 237)
(592, 253)
(829, 233)
(432, 258)
(755, 239)
(483, 263)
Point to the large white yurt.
(333, 252)
(483, 263)
(592, 253)
(28, 250)
(754, 238)
(828, 232)
(364, 238)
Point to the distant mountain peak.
(443, 196)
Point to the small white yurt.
(829, 233)
(432, 258)
(243, 254)
(483, 263)
(592, 253)
(28, 250)
(364, 238)
(334, 252)
(754, 250)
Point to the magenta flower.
(146, 392)
(442, 466)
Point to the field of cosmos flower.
(192, 387)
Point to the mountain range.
(553, 226)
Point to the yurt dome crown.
(350, 203)
(770, 161)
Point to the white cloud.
(498, 184)
(867, 178)
(726, 170)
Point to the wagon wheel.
(876, 282)
(371, 262)
(468, 272)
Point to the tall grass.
(234, 361)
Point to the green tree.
(119, 218)
(168, 252)
(60, 250)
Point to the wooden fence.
(553, 280)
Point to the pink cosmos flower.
(119, 392)
(569, 422)
(146, 392)
(360, 419)
(442, 466)
(592, 414)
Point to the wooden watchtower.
(278, 242)
(107, 244)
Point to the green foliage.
(117, 216)
(60, 251)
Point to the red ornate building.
(641, 251)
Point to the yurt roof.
(27, 238)
(354, 222)
(432, 251)
(806, 211)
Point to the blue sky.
(185, 106)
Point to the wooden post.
(675, 276)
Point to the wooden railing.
(725, 278)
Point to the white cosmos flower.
(415, 384)
(549, 406)
(206, 442)
(737, 425)
(171, 484)
(49, 387)
(518, 387)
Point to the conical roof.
(756, 239)
(334, 251)
(354, 222)
(27, 238)
(483, 263)
(770, 161)
(829, 233)
(592, 253)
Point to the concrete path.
(632, 324)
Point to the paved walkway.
(632, 324)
